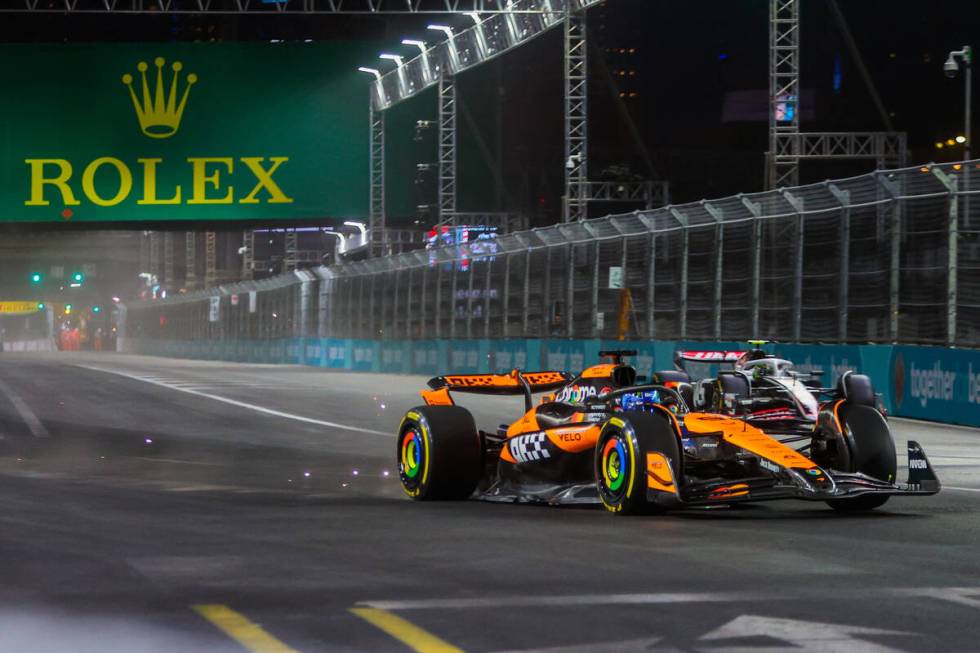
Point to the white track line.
(240, 404)
(961, 489)
(33, 423)
(544, 601)
(941, 425)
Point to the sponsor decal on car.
(528, 448)
(576, 394)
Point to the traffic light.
(67, 309)
(40, 306)
(77, 277)
(36, 277)
(96, 309)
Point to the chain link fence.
(891, 256)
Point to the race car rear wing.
(702, 356)
(515, 383)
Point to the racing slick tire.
(439, 453)
(872, 452)
(730, 383)
(857, 389)
(621, 455)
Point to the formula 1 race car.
(600, 438)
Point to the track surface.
(149, 486)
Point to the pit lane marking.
(240, 404)
(239, 628)
(417, 639)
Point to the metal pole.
(452, 300)
(951, 267)
(797, 310)
(506, 312)
(546, 296)
(844, 262)
(486, 299)
(526, 316)
(372, 323)
(438, 329)
(425, 307)
(685, 252)
(469, 299)
(651, 287)
(718, 215)
(570, 292)
(756, 210)
(596, 332)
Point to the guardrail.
(888, 257)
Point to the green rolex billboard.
(189, 131)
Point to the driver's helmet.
(748, 357)
(639, 400)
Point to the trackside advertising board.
(932, 383)
(183, 131)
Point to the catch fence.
(890, 256)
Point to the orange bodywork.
(659, 474)
(575, 439)
(482, 380)
(599, 371)
(438, 397)
(747, 437)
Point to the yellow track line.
(240, 629)
(404, 631)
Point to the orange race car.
(600, 438)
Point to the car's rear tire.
(621, 460)
(872, 452)
(439, 453)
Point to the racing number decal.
(527, 448)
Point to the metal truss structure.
(248, 254)
(291, 259)
(447, 149)
(257, 6)
(376, 209)
(576, 117)
(787, 145)
(210, 258)
(168, 257)
(784, 90)
(190, 259)
(153, 260)
(651, 194)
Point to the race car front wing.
(812, 484)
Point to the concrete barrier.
(932, 383)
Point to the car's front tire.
(871, 451)
(627, 443)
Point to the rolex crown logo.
(159, 116)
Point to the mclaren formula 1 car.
(598, 437)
